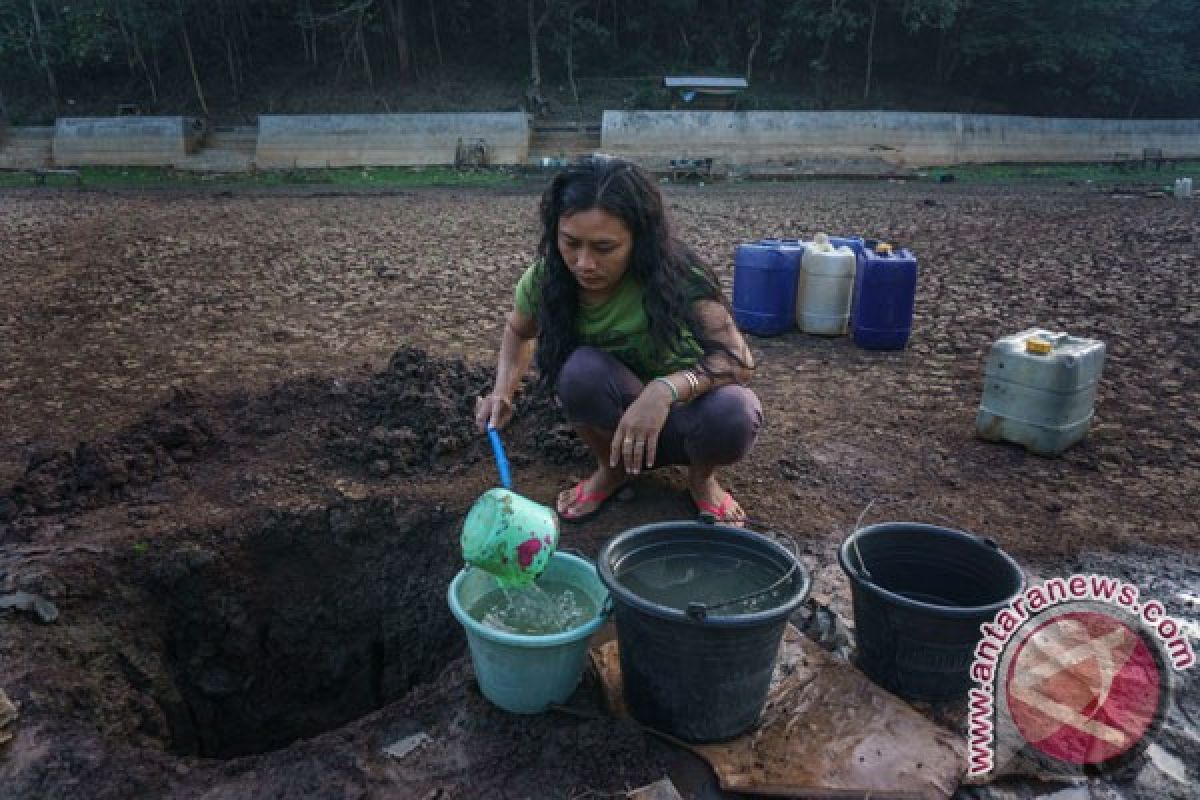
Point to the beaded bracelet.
(671, 386)
(693, 381)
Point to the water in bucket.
(543, 608)
(713, 579)
(527, 672)
(694, 664)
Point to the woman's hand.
(493, 411)
(635, 442)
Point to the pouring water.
(508, 535)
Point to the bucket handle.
(862, 566)
(699, 611)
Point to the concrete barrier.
(352, 140)
(26, 147)
(897, 138)
(125, 141)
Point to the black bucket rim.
(622, 594)
(893, 598)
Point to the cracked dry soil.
(236, 448)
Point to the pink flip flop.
(581, 495)
(721, 513)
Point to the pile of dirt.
(111, 470)
(421, 409)
(414, 417)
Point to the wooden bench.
(684, 168)
(702, 91)
(471, 153)
(40, 175)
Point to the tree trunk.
(135, 55)
(939, 64)
(230, 56)
(870, 49)
(1133, 106)
(43, 55)
(754, 46)
(360, 40)
(616, 23)
(155, 62)
(243, 25)
(191, 60)
(835, 7)
(535, 70)
(234, 76)
(571, 59)
(400, 34)
(948, 58)
(437, 39)
(308, 32)
(535, 27)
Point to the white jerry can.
(825, 289)
(1040, 390)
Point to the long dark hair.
(672, 274)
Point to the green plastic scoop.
(508, 535)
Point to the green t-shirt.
(618, 326)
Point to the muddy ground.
(236, 447)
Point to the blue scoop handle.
(501, 458)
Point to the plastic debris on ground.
(659, 790)
(826, 728)
(402, 747)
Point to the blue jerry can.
(764, 285)
(885, 293)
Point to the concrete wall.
(897, 138)
(125, 141)
(351, 140)
(26, 147)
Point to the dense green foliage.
(1080, 57)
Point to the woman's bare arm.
(516, 353)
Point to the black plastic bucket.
(920, 594)
(699, 674)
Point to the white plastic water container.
(1040, 390)
(1183, 188)
(825, 289)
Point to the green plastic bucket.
(522, 673)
